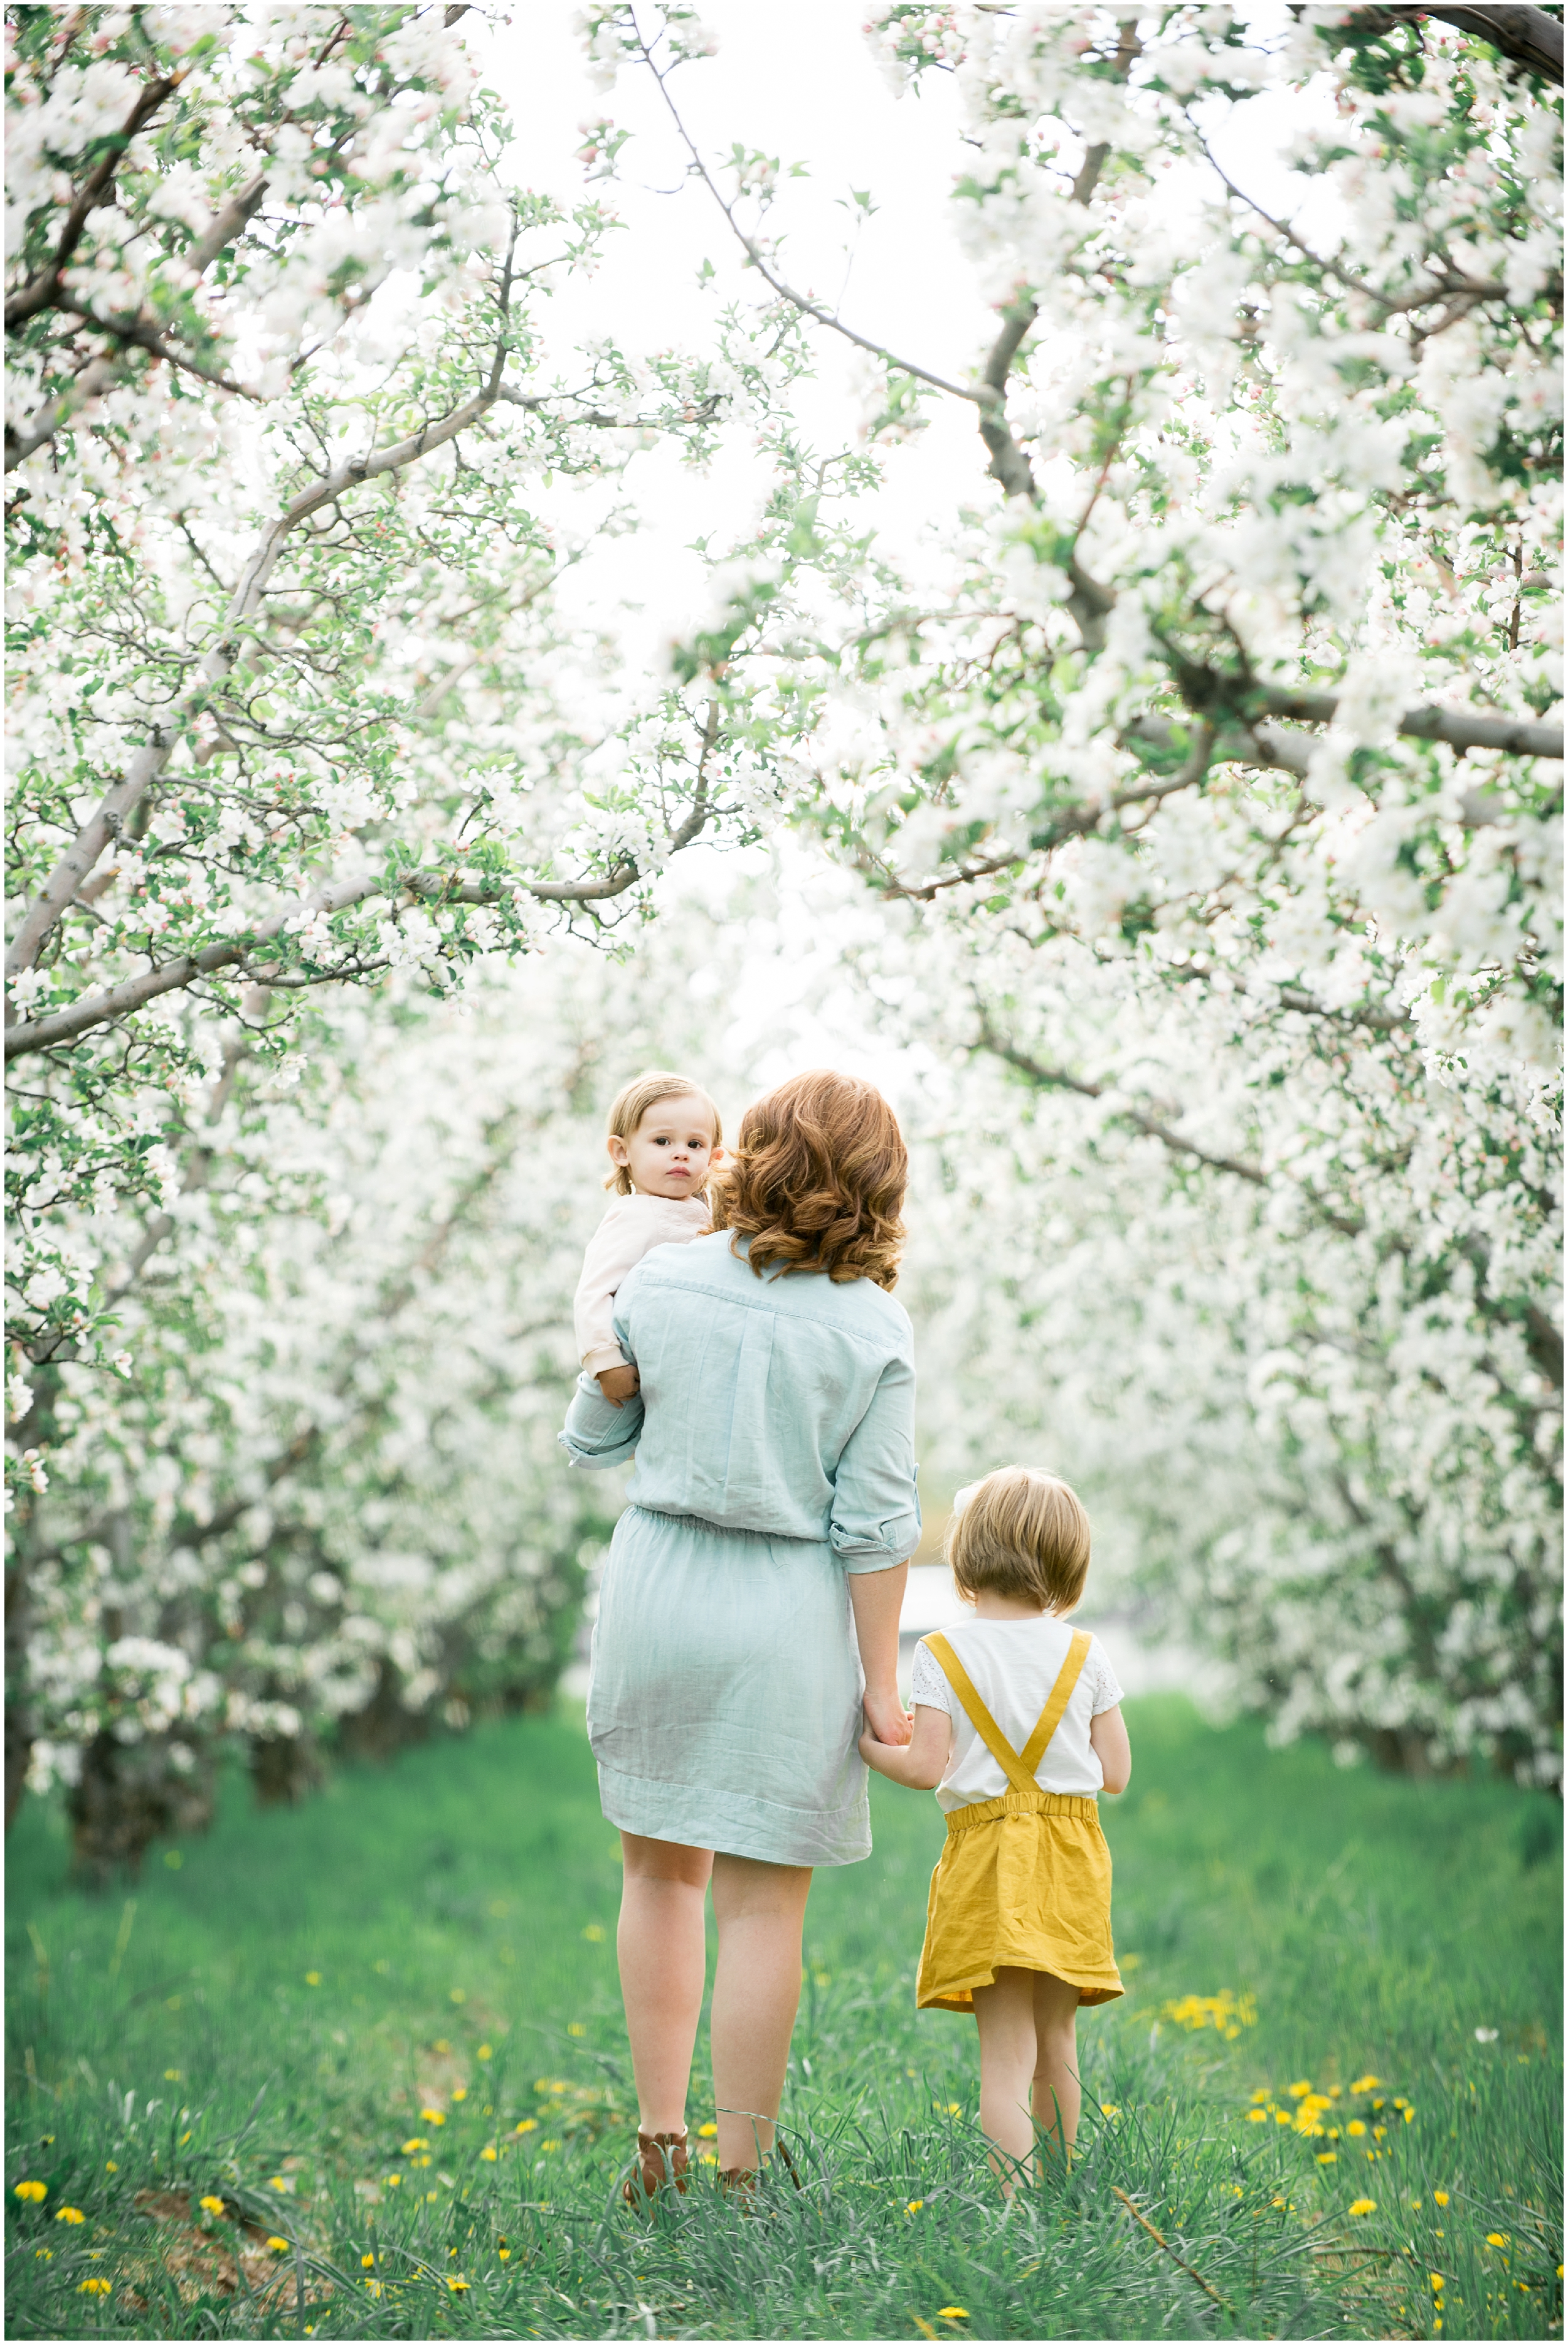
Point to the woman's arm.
(922, 1762)
(1107, 1741)
(877, 1598)
(599, 1432)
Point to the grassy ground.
(382, 2034)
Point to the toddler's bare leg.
(663, 1954)
(1056, 2094)
(760, 1909)
(1008, 2052)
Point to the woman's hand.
(922, 1762)
(886, 1720)
(618, 1385)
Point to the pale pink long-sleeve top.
(632, 1227)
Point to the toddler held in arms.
(1018, 1728)
(664, 1141)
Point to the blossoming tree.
(1222, 774)
(294, 710)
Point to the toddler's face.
(671, 1151)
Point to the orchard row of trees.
(1203, 802)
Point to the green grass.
(458, 1910)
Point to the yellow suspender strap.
(1061, 1693)
(1019, 1770)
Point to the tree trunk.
(129, 1794)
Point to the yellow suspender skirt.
(1024, 1882)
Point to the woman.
(771, 1517)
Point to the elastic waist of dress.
(1023, 1804)
(723, 1530)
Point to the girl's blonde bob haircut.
(817, 1181)
(1020, 1532)
(631, 1104)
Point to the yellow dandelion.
(279, 2247)
(366, 2263)
(457, 1994)
(485, 2052)
(1263, 2094)
(530, 2124)
(575, 2027)
(504, 2254)
(1328, 2157)
(1256, 2117)
(1440, 2198)
(1366, 2084)
(47, 2255)
(456, 2286)
(36, 2192)
(1497, 2239)
(490, 2154)
(1409, 2115)
(951, 2312)
(212, 2206)
(1110, 2110)
(549, 2146)
(594, 1933)
(1355, 2128)
(953, 2109)
(109, 2166)
(69, 2215)
(459, 2092)
(415, 2141)
(1299, 2090)
(278, 2182)
(1283, 2116)
(1363, 2205)
(312, 1978)
(1436, 2279)
(96, 2288)
(393, 2180)
(431, 2116)
(708, 2131)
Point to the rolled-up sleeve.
(876, 1517)
(597, 1432)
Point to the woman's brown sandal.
(662, 2158)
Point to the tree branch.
(1525, 36)
(41, 291)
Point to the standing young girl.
(1017, 1726)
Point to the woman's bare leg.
(661, 1944)
(1008, 2052)
(759, 1909)
(1058, 2097)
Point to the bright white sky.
(797, 83)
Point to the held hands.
(618, 1385)
(886, 1720)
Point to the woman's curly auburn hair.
(816, 1182)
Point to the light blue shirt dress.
(773, 1436)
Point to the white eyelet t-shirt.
(1013, 1665)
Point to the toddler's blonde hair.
(1020, 1532)
(631, 1104)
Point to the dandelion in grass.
(459, 2092)
(43, 2255)
(415, 2141)
(36, 2192)
(490, 2154)
(457, 2286)
(211, 2206)
(69, 2215)
(707, 2131)
(575, 2027)
(1363, 2205)
(279, 2182)
(951, 2312)
(96, 2288)
(1355, 2128)
(1440, 2198)
(1366, 2084)
(279, 2247)
(914, 2206)
(173, 2077)
(312, 1978)
(530, 2124)
(547, 2147)
(366, 2263)
(1256, 2117)
(594, 1933)
(394, 2181)
(1498, 2239)
(431, 2116)
(109, 2166)
(1328, 2157)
